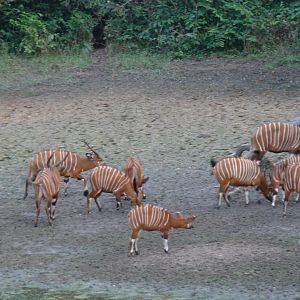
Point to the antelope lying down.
(237, 171)
(47, 184)
(153, 218)
(277, 174)
(72, 167)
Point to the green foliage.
(33, 34)
(180, 28)
(189, 28)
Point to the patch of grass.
(136, 60)
(19, 71)
(279, 55)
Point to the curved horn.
(62, 160)
(92, 150)
(241, 149)
(49, 159)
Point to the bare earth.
(174, 121)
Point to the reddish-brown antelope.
(47, 184)
(291, 183)
(153, 218)
(133, 169)
(274, 137)
(277, 174)
(237, 171)
(72, 167)
(108, 180)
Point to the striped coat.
(109, 180)
(153, 218)
(133, 170)
(291, 182)
(277, 173)
(275, 137)
(71, 167)
(236, 171)
(47, 184)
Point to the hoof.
(167, 252)
(218, 207)
(131, 254)
(144, 197)
(35, 225)
(136, 252)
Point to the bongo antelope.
(47, 184)
(133, 169)
(72, 167)
(277, 174)
(275, 137)
(291, 183)
(237, 172)
(153, 218)
(108, 180)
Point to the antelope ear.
(145, 179)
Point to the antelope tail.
(85, 189)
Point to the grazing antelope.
(291, 183)
(133, 169)
(277, 174)
(237, 171)
(274, 137)
(108, 180)
(47, 184)
(72, 167)
(153, 218)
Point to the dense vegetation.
(179, 28)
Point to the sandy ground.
(174, 121)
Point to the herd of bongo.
(47, 166)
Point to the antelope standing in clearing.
(153, 218)
(274, 137)
(237, 171)
(72, 167)
(108, 180)
(277, 175)
(47, 184)
(291, 183)
(133, 169)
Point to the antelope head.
(181, 221)
(93, 155)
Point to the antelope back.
(149, 217)
(276, 137)
(49, 178)
(240, 170)
(108, 179)
(67, 166)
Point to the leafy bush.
(34, 35)
(181, 28)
